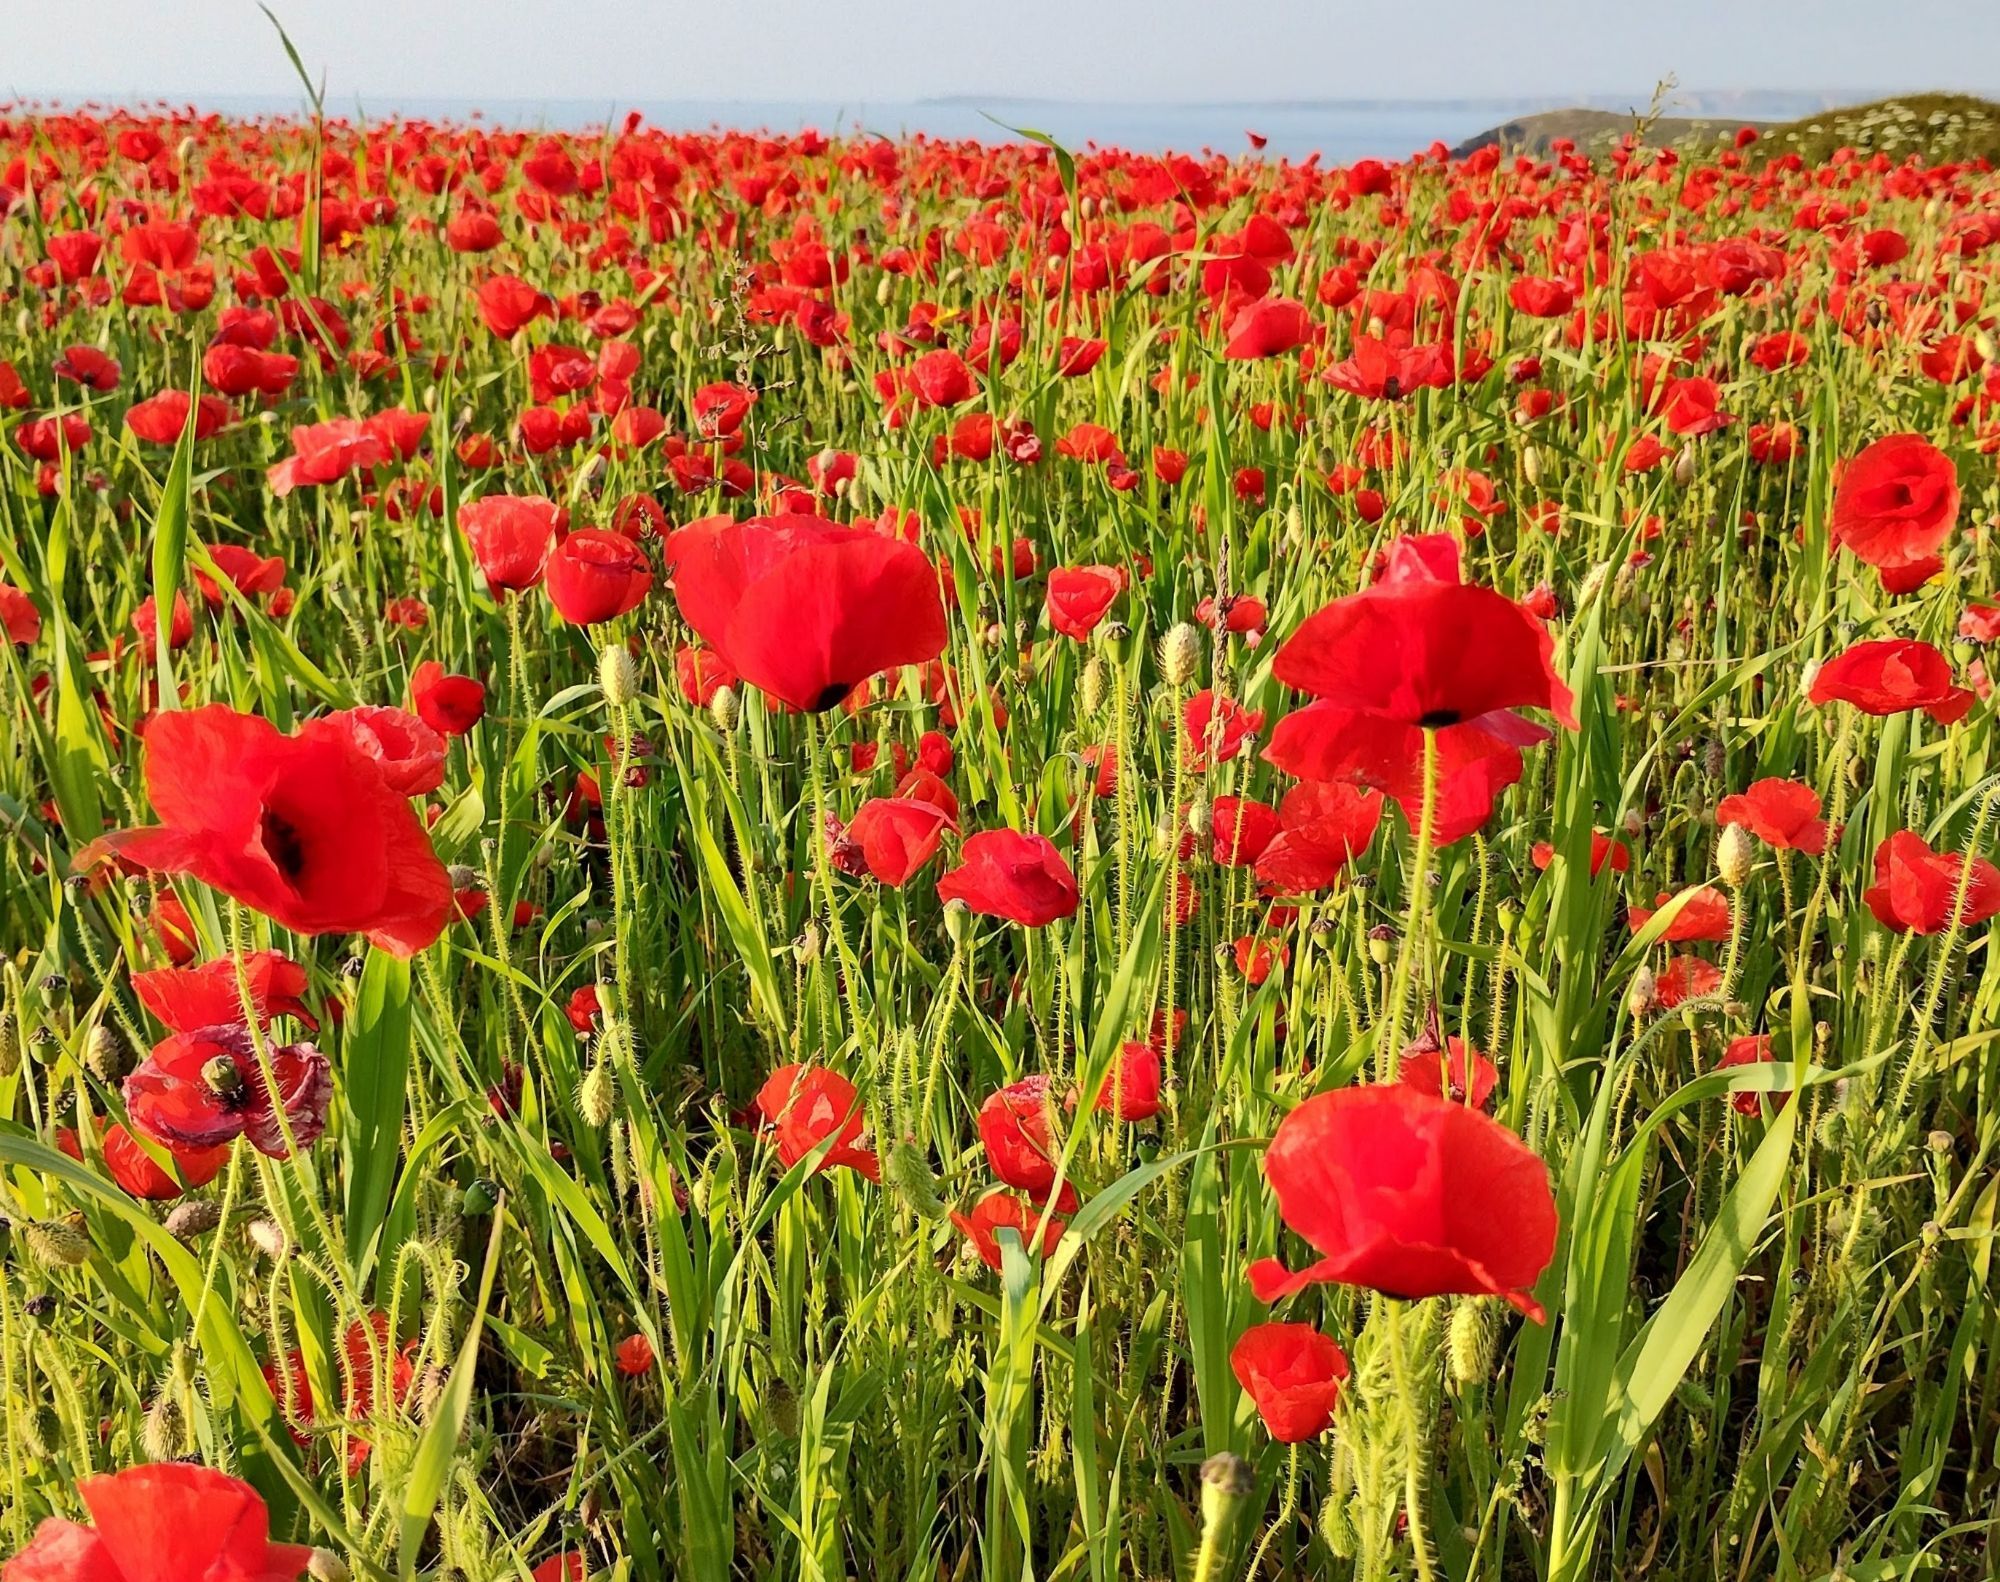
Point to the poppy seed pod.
(617, 675)
(1180, 653)
(1226, 1481)
(326, 1566)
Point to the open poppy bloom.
(1323, 826)
(205, 1089)
(511, 536)
(1452, 1071)
(999, 1211)
(304, 829)
(805, 610)
(1704, 915)
(1896, 503)
(1781, 813)
(1131, 1088)
(408, 752)
(1893, 675)
(1409, 1194)
(1079, 597)
(808, 1104)
(450, 705)
(1017, 1125)
(897, 836)
(1916, 889)
(1293, 1374)
(1005, 873)
(187, 999)
(139, 1174)
(168, 1523)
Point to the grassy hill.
(1596, 130)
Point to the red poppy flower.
(1241, 831)
(1704, 916)
(597, 576)
(19, 618)
(1005, 873)
(1218, 728)
(187, 999)
(807, 1105)
(897, 837)
(304, 829)
(1080, 596)
(805, 610)
(1267, 328)
(1293, 1374)
(161, 419)
(1411, 1195)
(169, 1523)
(205, 1089)
(999, 1211)
(1687, 978)
(1131, 1088)
(1016, 1123)
(1471, 1077)
(634, 1356)
(1893, 675)
(1323, 827)
(1749, 1050)
(1382, 372)
(408, 752)
(136, 1171)
(1781, 813)
(511, 536)
(450, 705)
(1896, 502)
(324, 453)
(508, 305)
(1916, 889)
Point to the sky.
(1158, 51)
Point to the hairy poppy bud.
(269, 1238)
(1734, 856)
(725, 708)
(163, 1436)
(617, 675)
(103, 1054)
(57, 1243)
(907, 1172)
(1643, 997)
(1200, 817)
(192, 1218)
(1469, 1343)
(463, 877)
(1090, 688)
(1714, 758)
(1684, 467)
(596, 1095)
(1531, 465)
(326, 1566)
(1180, 653)
(958, 921)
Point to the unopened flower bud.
(957, 921)
(1684, 467)
(1469, 1342)
(193, 1217)
(595, 1095)
(725, 708)
(618, 675)
(269, 1238)
(1734, 855)
(1642, 998)
(1090, 687)
(57, 1243)
(326, 1566)
(1180, 653)
(103, 1055)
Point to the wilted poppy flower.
(1016, 1123)
(188, 999)
(1005, 873)
(595, 576)
(1892, 675)
(206, 1088)
(1079, 597)
(139, 1174)
(1411, 1195)
(999, 1211)
(805, 610)
(806, 1105)
(1896, 502)
(169, 1523)
(304, 829)
(450, 705)
(511, 536)
(1293, 1374)
(1454, 1071)
(1916, 889)
(1781, 813)
(897, 836)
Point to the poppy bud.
(1469, 1343)
(1643, 997)
(1506, 915)
(596, 1096)
(221, 1076)
(1226, 1481)
(103, 1054)
(807, 944)
(57, 1243)
(463, 877)
(1531, 465)
(1734, 856)
(1200, 817)
(725, 708)
(1714, 758)
(1091, 686)
(192, 1218)
(163, 1436)
(957, 921)
(907, 1172)
(885, 288)
(1180, 653)
(269, 1238)
(617, 675)
(1684, 467)
(326, 1566)
(480, 1198)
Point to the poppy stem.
(1389, 1041)
(1415, 1439)
(1287, 1509)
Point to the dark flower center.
(1438, 718)
(831, 695)
(283, 844)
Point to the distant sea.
(1341, 131)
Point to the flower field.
(746, 857)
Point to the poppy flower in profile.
(1896, 503)
(511, 536)
(450, 705)
(595, 576)
(1267, 328)
(508, 305)
(1411, 1195)
(940, 379)
(1703, 916)
(1453, 1070)
(1750, 1050)
(1686, 977)
(1017, 1127)
(1218, 728)
(897, 837)
(1005, 873)
(1131, 1088)
(138, 1174)
(999, 1211)
(161, 419)
(1916, 889)
(174, 1522)
(806, 1105)
(19, 618)
(304, 829)
(1080, 596)
(1781, 813)
(324, 453)
(1241, 831)
(1292, 1373)
(1893, 675)
(206, 1088)
(634, 1356)
(187, 999)
(802, 609)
